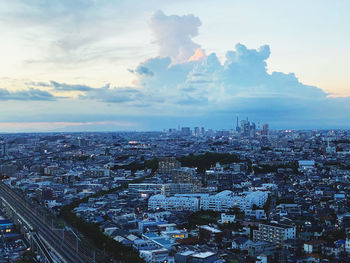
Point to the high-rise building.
(245, 127)
(238, 129)
(185, 175)
(252, 129)
(186, 131)
(196, 131)
(265, 130)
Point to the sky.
(106, 65)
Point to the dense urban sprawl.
(188, 195)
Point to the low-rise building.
(314, 246)
(347, 245)
(227, 218)
(174, 203)
(257, 214)
(156, 256)
(190, 256)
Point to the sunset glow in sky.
(148, 65)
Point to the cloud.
(106, 93)
(61, 20)
(26, 95)
(198, 55)
(184, 85)
(37, 84)
(66, 126)
(241, 84)
(60, 86)
(242, 75)
(79, 32)
(174, 35)
(112, 95)
(142, 70)
(69, 87)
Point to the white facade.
(145, 186)
(226, 219)
(307, 248)
(306, 165)
(156, 256)
(175, 203)
(226, 200)
(261, 259)
(289, 233)
(340, 196)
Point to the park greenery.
(207, 160)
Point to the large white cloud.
(242, 75)
(241, 84)
(182, 84)
(174, 35)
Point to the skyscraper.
(265, 130)
(196, 131)
(238, 129)
(186, 131)
(252, 129)
(245, 127)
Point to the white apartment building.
(174, 203)
(226, 200)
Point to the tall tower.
(237, 126)
(252, 129)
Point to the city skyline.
(189, 131)
(91, 66)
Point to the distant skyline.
(149, 65)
